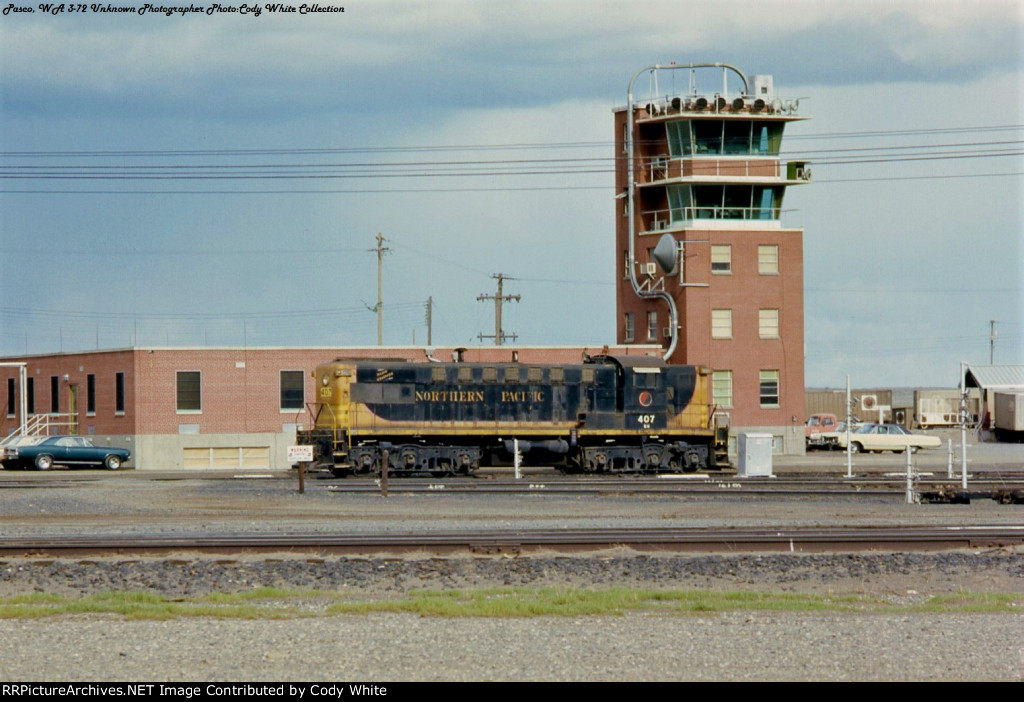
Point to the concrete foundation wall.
(212, 451)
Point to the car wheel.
(44, 462)
(112, 462)
(856, 447)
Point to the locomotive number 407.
(645, 420)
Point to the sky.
(219, 178)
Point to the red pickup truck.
(821, 430)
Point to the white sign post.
(301, 455)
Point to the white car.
(887, 437)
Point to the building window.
(55, 393)
(721, 259)
(768, 259)
(721, 324)
(90, 394)
(652, 326)
(30, 400)
(10, 397)
(119, 393)
(293, 395)
(768, 324)
(625, 265)
(630, 329)
(769, 383)
(721, 388)
(190, 391)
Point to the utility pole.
(991, 341)
(499, 299)
(430, 321)
(379, 308)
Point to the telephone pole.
(991, 341)
(379, 309)
(499, 299)
(430, 321)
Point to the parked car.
(72, 451)
(887, 437)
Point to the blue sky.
(231, 172)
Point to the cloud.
(457, 55)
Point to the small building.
(999, 387)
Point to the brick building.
(705, 267)
(196, 408)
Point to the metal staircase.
(40, 425)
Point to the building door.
(73, 409)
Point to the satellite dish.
(664, 254)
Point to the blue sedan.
(71, 451)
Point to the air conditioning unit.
(649, 269)
(803, 173)
(660, 224)
(763, 86)
(667, 331)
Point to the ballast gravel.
(636, 646)
(391, 648)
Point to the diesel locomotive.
(631, 414)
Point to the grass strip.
(275, 603)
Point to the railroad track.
(930, 489)
(529, 541)
(1006, 488)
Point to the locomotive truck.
(630, 414)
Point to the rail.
(655, 169)
(665, 219)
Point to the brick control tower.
(705, 266)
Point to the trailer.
(940, 407)
(1008, 418)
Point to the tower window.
(769, 388)
(768, 259)
(721, 324)
(768, 324)
(721, 388)
(721, 259)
